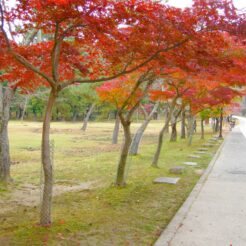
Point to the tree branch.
(55, 54)
(124, 72)
(19, 57)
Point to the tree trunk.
(19, 114)
(24, 109)
(120, 179)
(116, 130)
(75, 115)
(87, 117)
(2, 171)
(216, 125)
(183, 132)
(5, 156)
(202, 129)
(221, 124)
(45, 215)
(139, 134)
(191, 129)
(161, 135)
(166, 119)
(173, 137)
(174, 119)
(137, 115)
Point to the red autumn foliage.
(117, 91)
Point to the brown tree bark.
(173, 137)
(125, 118)
(45, 214)
(120, 178)
(174, 119)
(215, 125)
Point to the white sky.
(178, 3)
(240, 4)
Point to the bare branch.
(29, 38)
(130, 113)
(144, 110)
(19, 57)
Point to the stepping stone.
(214, 138)
(212, 141)
(190, 163)
(176, 170)
(200, 152)
(209, 145)
(202, 149)
(194, 156)
(199, 171)
(166, 180)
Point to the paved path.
(217, 216)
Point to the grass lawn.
(87, 209)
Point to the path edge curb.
(169, 232)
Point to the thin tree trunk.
(145, 114)
(2, 171)
(18, 115)
(24, 109)
(166, 119)
(5, 155)
(213, 124)
(183, 131)
(174, 119)
(87, 117)
(191, 129)
(120, 178)
(139, 134)
(7, 98)
(137, 115)
(45, 215)
(202, 128)
(216, 126)
(161, 135)
(75, 115)
(173, 137)
(221, 124)
(116, 130)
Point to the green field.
(87, 208)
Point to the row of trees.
(73, 104)
(192, 59)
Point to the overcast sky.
(186, 3)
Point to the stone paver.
(190, 163)
(166, 180)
